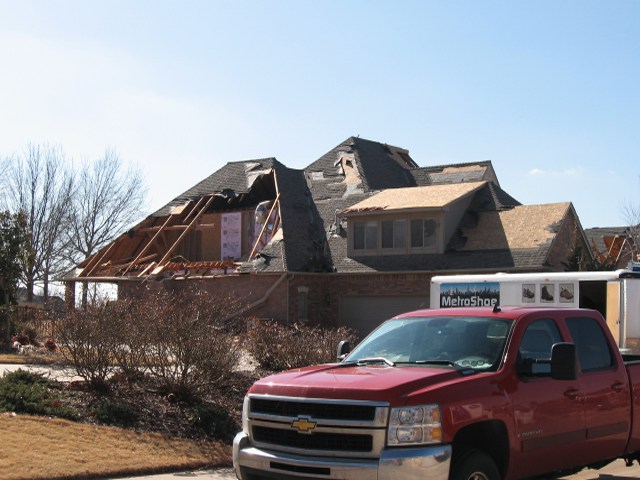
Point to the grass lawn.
(43, 448)
(31, 358)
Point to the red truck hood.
(354, 382)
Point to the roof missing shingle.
(522, 227)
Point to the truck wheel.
(475, 465)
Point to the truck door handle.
(618, 387)
(572, 393)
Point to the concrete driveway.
(222, 474)
(615, 471)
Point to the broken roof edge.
(191, 193)
(585, 239)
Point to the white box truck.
(615, 294)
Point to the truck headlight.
(245, 415)
(416, 425)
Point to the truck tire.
(474, 465)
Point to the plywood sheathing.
(433, 196)
(525, 226)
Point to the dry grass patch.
(42, 448)
(31, 358)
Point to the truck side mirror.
(564, 361)
(343, 348)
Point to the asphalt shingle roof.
(361, 172)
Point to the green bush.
(32, 393)
(277, 347)
(115, 412)
(215, 421)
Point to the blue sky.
(547, 90)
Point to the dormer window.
(411, 220)
(409, 233)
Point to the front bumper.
(395, 463)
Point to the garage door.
(364, 313)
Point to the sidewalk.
(56, 372)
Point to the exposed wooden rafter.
(148, 245)
(170, 251)
(276, 203)
(95, 261)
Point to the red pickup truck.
(460, 394)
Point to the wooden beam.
(167, 255)
(255, 245)
(146, 247)
(200, 200)
(177, 227)
(96, 261)
(134, 262)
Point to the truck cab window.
(593, 349)
(538, 339)
(536, 343)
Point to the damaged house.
(352, 239)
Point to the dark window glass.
(423, 232)
(387, 234)
(416, 233)
(537, 341)
(539, 338)
(429, 233)
(399, 233)
(394, 233)
(358, 236)
(371, 236)
(593, 348)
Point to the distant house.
(350, 240)
(613, 247)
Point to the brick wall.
(323, 292)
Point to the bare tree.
(632, 215)
(39, 184)
(107, 200)
(4, 167)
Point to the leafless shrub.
(277, 347)
(89, 341)
(185, 340)
(192, 345)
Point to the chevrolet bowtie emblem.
(303, 425)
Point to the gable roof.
(357, 176)
(409, 198)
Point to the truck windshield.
(469, 342)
